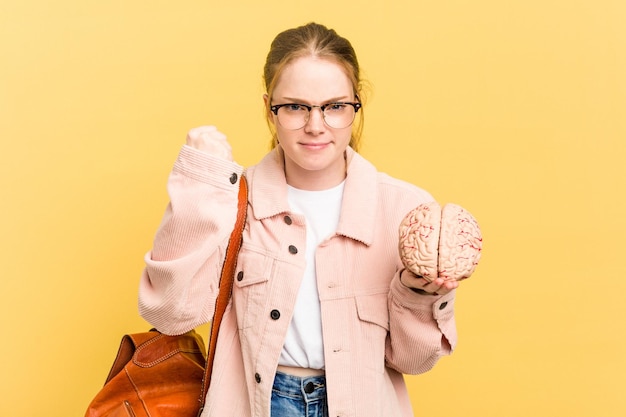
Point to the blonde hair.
(317, 41)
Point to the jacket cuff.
(207, 168)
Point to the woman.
(324, 318)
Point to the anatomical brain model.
(440, 242)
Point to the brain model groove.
(440, 242)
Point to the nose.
(315, 123)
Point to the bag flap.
(127, 348)
(161, 347)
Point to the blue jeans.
(294, 396)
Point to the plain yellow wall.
(514, 109)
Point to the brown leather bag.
(155, 375)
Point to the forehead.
(313, 79)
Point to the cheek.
(283, 135)
(345, 135)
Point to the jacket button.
(443, 305)
(233, 178)
(293, 250)
(257, 378)
(275, 314)
(239, 275)
(287, 219)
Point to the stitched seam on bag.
(162, 358)
(143, 404)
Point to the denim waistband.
(308, 388)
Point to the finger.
(202, 131)
(210, 140)
(197, 131)
(446, 286)
(210, 132)
(433, 287)
(414, 281)
(452, 284)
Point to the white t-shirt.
(304, 346)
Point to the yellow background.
(514, 109)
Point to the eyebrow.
(303, 101)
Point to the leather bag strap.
(225, 284)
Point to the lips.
(315, 145)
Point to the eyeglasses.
(294, 116)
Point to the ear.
(268, 112)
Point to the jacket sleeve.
(179, 283)
(422, 328)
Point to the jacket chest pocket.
(373, 313)
(251, 285)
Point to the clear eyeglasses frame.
(294, 116)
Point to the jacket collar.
(358, 209)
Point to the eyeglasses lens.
(296, 116)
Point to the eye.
(294, 108)
(335, 107)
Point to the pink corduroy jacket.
(374, 328)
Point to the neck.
(303, 179)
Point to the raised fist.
(210, 140)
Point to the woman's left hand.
(439, 286)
